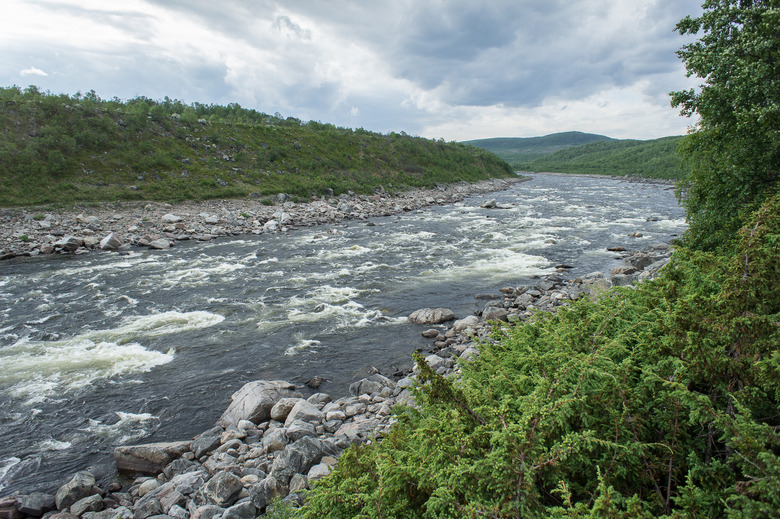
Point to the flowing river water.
(105, 349)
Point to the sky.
(451, 69)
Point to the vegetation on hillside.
(658, 401)
(64, 149)
(657, 158)
(518, 151)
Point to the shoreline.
(31, 232)
(271, 443)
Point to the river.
(105, 349)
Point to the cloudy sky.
(452, 69)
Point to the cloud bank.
(452, 69)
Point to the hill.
(655, 158)
(81, 148)
(517, 150)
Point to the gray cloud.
(402, 65)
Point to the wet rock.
(150, 458)
(430, 333)
(80, 486)
(431, 316)
(315, 382)
(255, 400)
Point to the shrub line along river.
(108, 349)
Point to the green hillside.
(517, 151)
(81, 148)
(655, 158)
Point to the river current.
(108, 349)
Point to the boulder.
(298, 458)
(282, 408)
(93, 503)
(69, 243)
(171, 218)
(111, 242)
(160, 244)
(80, 486)
(372, 384)
(431, 316)
(255, 400)
(243, 510)
(204, 445)
(222, 490)
(275, 440)
(150, 458)
(305, 412)
(495, 313)
(298, 429)
(266, 491)
(36, 504)
(467, 322)
(207, 512)
(113, 513)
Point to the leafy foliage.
(659, 401)
(62, 149)
(734, 151)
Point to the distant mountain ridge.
(526, 149)
(577, 152)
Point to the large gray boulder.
(81, 485)
(431, 316)
(150, 458)
(255, 400)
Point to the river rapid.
(108, 349)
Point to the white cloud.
(32, 71)
(453, 71)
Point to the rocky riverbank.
(82, 229)
(271, 443)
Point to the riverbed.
(107, 349)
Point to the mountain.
(576, 152)
(517, 150)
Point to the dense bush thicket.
(60, 148)
(658, 401)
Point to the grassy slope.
(61, 149)
(516, 150)
(655, 158)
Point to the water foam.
(36, 370)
